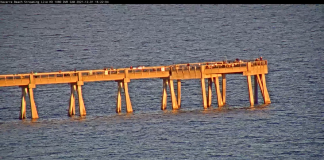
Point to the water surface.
(45, 38)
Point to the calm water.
(43, 38)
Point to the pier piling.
(72, 100)
(250, 90)
(203, 87)
(265, 90)
(164, 94)
(218, 93)
(129, 108)
(224, 88)
(81, 103)
(173, 97)
(179, 92)
(23, 103)
(209, 98)
(255, 90)
(118, 104)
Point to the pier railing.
(141, 69)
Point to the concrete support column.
(203, 93)
(118, 106)
(129, 108)
(33, 108)
(22, 114)
(218, 93)
(179, 92)
(81, 103)
(209, 98)
(255, 90)
(203, 87)
(173, 97)
(260, 83)
(72, 100)
(224, 88)
(250, 90)
(265, 90)
(123, 84)
(31, 85)
(164, 94)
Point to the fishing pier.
(213, 71)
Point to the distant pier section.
(212, 71)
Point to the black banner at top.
(55, 2)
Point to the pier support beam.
(33, 108)
(24, 90)
(129, 108)
(209, 98)
(173, 97)
(164, 94)
(176, 101)
(79, 85)
(224, 88)
(218, 93)
(80, 97)
(263, 87)
(265, 90)
(255, 90)
(72, 100)
(22, 114)
(123, 84)
(118, 104)
(250, 90)
(203, 93)
(179, 92)
(203, 87)
(260, 83)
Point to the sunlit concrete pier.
(213, 71)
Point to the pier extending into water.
(213, 71)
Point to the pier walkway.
(213, 71)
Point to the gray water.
(46, 38)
